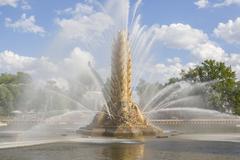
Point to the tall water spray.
(122, 116)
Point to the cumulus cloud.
(43, 68)
(196, 42)
(25, 5)
(92, 22)
(171, 69)
(77, 62)
(25, 24)
(180, 35)
(233, 59)
(84, 23)
(79, 58)
(12, 62)
(202, 3)
(222, 3)
(229, 31)
(174, 60)
(227, 3)
(84, 27)
(237, 70)
(9, 61)
(183, 36)
(14, 3)
(79, 9)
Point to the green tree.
(172, 81)
(6, 100)
(236, 98)
(223, 91)
(11, 87)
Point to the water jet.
(122, 116)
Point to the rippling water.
(151, 149)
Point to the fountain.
(98, 109)
(110, 109)
(122, 116)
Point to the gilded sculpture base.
(127, 123)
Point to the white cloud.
(12, 3)
(25, 5)
(202, 3)
(9, 61)
(223, 3)
(84, 28)
(174, 60)
(92, 20)
(119, 12)
(208, 50)
(185, 37)
(227, 3)
(84, 24)
(162, 72)
(41, 69)
(80, 9)
(77, 62)
(79, 58)
(12, 62)
(169, 70)
(73, 66)
(25, 24)
(237, 70)
(182, 36)
(229, 31)
(233, 59)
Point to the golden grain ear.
(123, 117)
(121, 77)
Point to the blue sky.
(36, 29)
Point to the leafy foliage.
(172, 81)
(11, 86)
(224, 93)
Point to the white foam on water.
(3, 124)
(230, 137)
(93, 140)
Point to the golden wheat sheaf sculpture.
(122, 108)
(121, 116)
(121, 70)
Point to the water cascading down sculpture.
(122, 117)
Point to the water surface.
(151, 149)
